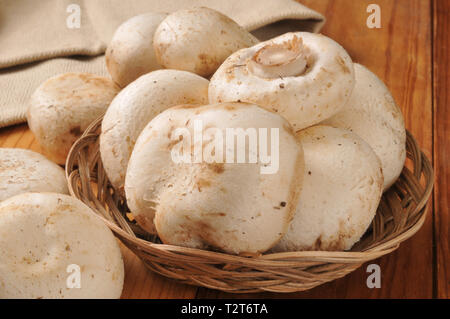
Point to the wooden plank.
(441, 53)
(142, 283)
(10, 136)
(400, 54)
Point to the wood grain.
(400, 54)
(441, 56)
(142, 283)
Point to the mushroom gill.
(274, 60)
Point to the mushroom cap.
(23, 171)
(62, 107)
(130, 53)
(41, 235)
(372, 113)
(304, 77)
(135, 106)
(222, 205)
(342, 188)
(198, 40)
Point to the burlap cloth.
(36, 42)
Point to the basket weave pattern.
(400, 215)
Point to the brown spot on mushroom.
(206, 63)
(229, 73)
(339, 242)
(202, 183)
(217, 168)
(207, 233)
(172, 143)
(214, 214)
(230, 107)
(63, 207)
(317, 244)
(342, 64)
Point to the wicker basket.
(400, 215)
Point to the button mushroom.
(198, 40)
(23, 171)
(372, 113)
(62, 107)
(130, 53)
(342, 187)
(231, 205)
(305, 77)
(53, 246)
(135, 106)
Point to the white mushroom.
(23, 171)
(342, 187)
(209, 201)
(302, 76)
(53, 246)
(130, 53)
(198, 40)
(135, 106)
(62, 107)
(372, 113)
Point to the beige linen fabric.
(36, 42)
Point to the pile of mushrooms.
(337, 142)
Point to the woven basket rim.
(374, 252)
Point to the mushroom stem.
(280, 60)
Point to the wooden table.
(410, 53)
